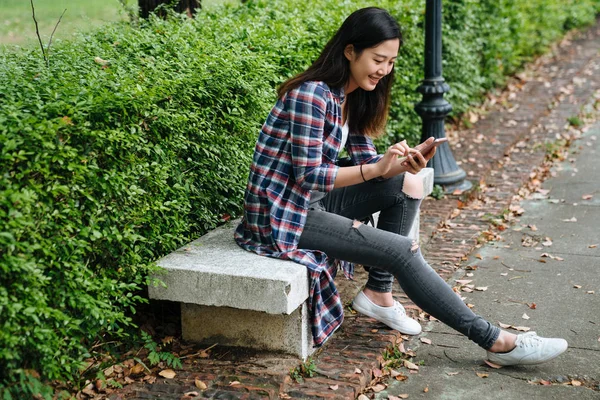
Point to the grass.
(17, 26)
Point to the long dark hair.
(365, 28)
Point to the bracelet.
(361, 173)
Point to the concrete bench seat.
(234, 297)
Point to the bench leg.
(246, 328)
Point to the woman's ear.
(349, 52)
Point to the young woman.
(301, 205)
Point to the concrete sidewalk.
(550, 258)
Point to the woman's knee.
(413, 186)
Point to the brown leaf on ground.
(426, 390)
(200, 385)
(482, 374)
(401, 378)
(425, 340)
(167, 373)
(378, 388)
(410, 365)
(592, 246)
(191, 394)
(575, 382)
(522, 328)
(587, 196)
(456, 373)
(136, 369)
(577, 286)
(533, 306)
(334, 387)
(234, 383)
(479, 256)
(377, 372)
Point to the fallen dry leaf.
(425, 340)
(378, 388)
(410, 365)
(575, 382)
(362, 397)
(482, 374)
(456, 373)
(577, 286)
(426, 390)
(590, 292)
(522, 328)
(587, 196)
(464, 281)
(234, 383)
(167, 373)
(525, 316)
(479, 256)
(377, 372)
(401, 378)
(200, 385)
(334, 387)
(481, 288)
(191, 394)
(136, 369)
(357, 371)
(592, 246)
(533, 306)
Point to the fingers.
(425, 143)
(402, 147)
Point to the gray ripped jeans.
(388, 253)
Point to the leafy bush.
(136, 140)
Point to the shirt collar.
(339, 93)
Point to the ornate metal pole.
(434, 108)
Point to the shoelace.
(529, 339)
(398, 307)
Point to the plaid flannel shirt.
(295, 153)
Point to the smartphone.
(425, 151)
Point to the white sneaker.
(531, 349)
(395, 317)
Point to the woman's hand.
(415, 161)
(390, 157)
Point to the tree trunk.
(182, 6)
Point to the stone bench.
(234, 297)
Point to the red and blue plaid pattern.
(295, 153)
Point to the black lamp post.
(434, 108)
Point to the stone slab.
(214, 271)
(244, 328)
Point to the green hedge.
(136, 140)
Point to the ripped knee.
(414, 247)
(413, 186)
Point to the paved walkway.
(503, 154)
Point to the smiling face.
(372, 64)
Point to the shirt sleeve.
(361, 149)
(307, 106)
